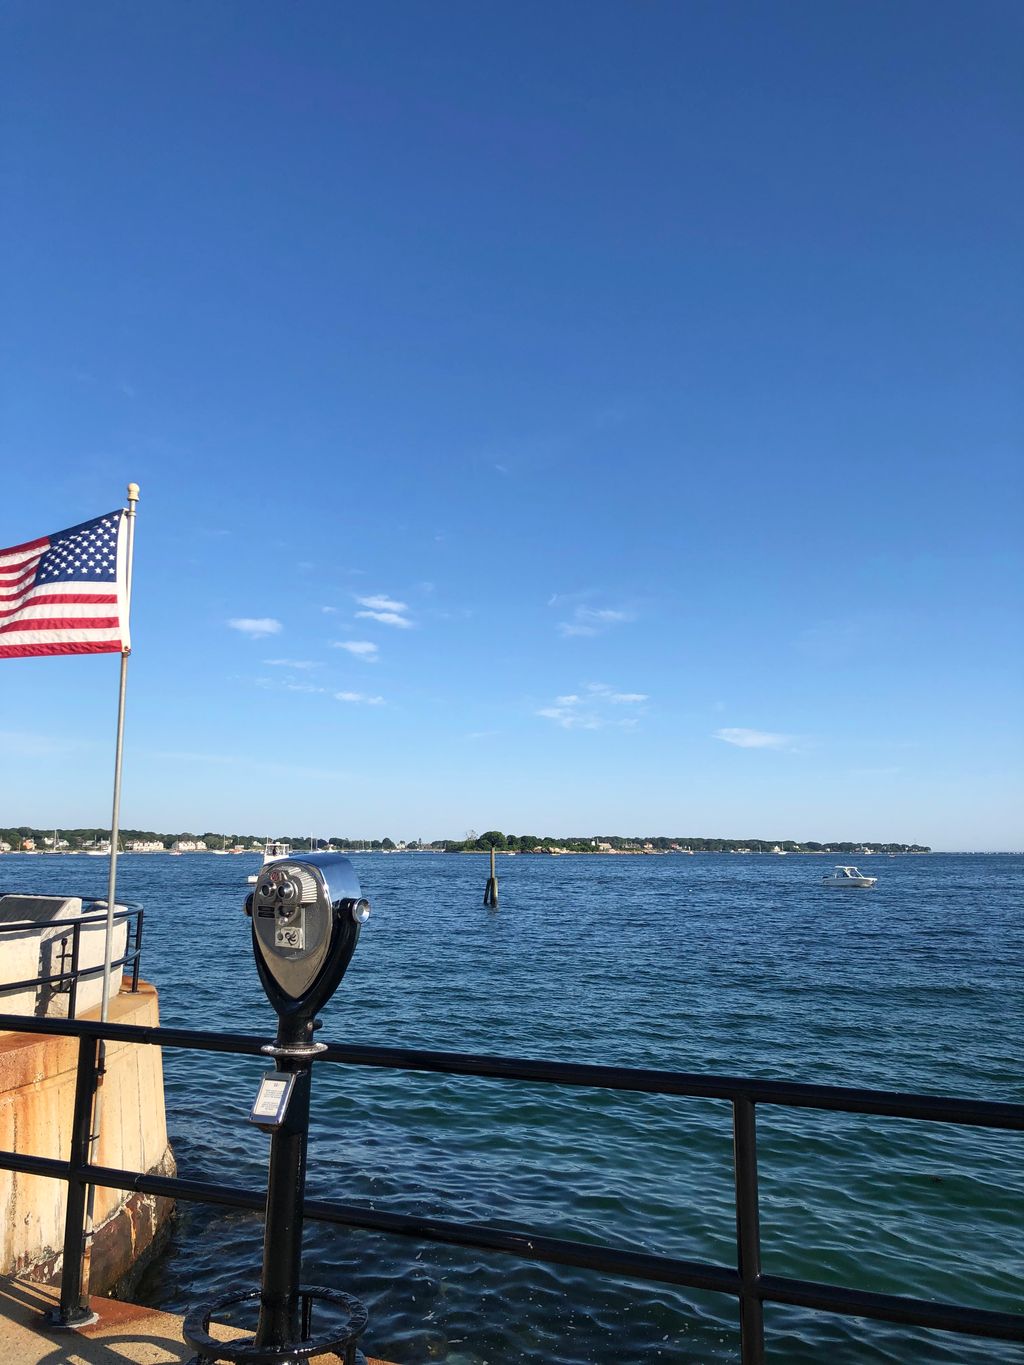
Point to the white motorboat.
(273, 851)
(847, 877)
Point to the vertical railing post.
(138, 949)
(748, 1231)
(76, 947)
(72, 1311)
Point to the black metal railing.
(745, 1281)
(68, 947)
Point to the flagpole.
(108, 940)
(115, 815)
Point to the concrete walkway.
(124, 1333)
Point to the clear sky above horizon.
(563, 418)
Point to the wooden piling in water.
(491, 889)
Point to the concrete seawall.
(37, 1088)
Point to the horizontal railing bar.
(862, 1303)
(637, 1265)
(200, 1040)
(79, 975)
(554, 1250)
(93, 917)
(791, 1094)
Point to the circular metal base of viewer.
(78, 1317)
(340, 1341)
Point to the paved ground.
(124, 1333)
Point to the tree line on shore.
(71, 839)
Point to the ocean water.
(731, 964)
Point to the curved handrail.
(66, 982)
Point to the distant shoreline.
(539, 852)
(27, 839)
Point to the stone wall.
(37, 1088)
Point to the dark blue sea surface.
(732, 964)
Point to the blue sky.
(609, 411)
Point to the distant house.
(146, 846)
(188, 846)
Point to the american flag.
(66, 593)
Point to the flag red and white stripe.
(66, 593)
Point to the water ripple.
(712, 964)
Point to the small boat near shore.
(273, 851)
(847, 878)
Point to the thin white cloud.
(380, 602)
(387, 618)
(571, 719)
(359, 697)
(361, 649)
(752, 739)
(288, 685)
(594, 708)
(592, 620)
(616, 698)
(292, 663)
(256, 627)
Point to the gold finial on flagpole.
(133, 492)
